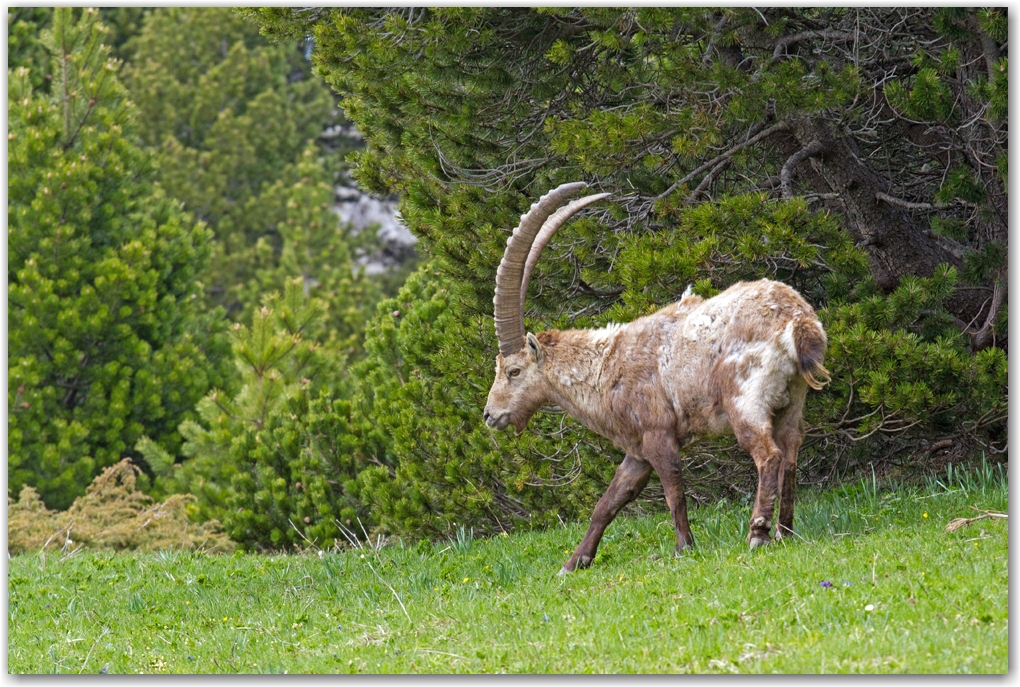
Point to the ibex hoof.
(563, 571)
(758, 541)
(573, 564)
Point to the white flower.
(869, 607)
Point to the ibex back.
(739, 362)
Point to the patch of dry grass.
(112, 514)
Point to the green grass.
(906, 596)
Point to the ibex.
(738, 362)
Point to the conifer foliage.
(858, 154)
(276, 357)
(107, 339)
(231, 115)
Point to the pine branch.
(74, 136)
(589, 290)
(820, 196)
(985, 335)
(786, 174)
(781, 126)
(709, 178)
(787, 41)
(949, 244)
(905, 204)
(989, 50)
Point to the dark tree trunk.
(897, 241)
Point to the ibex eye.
(514, 372)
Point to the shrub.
(737, 144)
(107, 335)
(111, 514)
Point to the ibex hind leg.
(756, 439)
(788, 432)
(630, 478)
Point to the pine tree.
(231, 115)
(737, 143)
(271, 205)
(107, 335)
(299, 206)
(322, 302)
(284, 353)
(24, 38)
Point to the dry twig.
(958, 523)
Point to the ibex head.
(520, 387)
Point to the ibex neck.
(575, 365)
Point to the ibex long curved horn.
(522, 251)
(555, 221)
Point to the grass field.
(873, 584)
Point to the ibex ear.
(535, 348)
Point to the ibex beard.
(740, 362)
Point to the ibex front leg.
(663, 452)
(630, 478)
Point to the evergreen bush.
(285, 353)
(737, 143)
(232, 117)
(108, 337)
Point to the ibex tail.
(810, 342)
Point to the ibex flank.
(739, 362)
